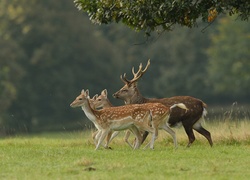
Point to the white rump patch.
(201, 120)
(180, 105)
(204, 113)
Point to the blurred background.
(49, 51)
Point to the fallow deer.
(190, 120)
(92, 102)
(99, 102)
(102, 101)
(128, 116)
(105, 120)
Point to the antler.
(137, 75)
(124, 79)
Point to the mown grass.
(72, 156)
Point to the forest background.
(50, 51)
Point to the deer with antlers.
(190, 120)
(133, 117)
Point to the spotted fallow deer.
(103, 120)
(125, 117)
(190, 120)
(92, 102)
(102, 101)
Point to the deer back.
(195, 108)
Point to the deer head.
(130, 88)
(102, 101)
(81, 99)
(92, 101)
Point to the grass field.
(72, 156)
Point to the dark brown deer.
(190, 120)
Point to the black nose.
(114, 95)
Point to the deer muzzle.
(115, 95)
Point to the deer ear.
(87, 93)
(104, 92)
(82, 92)
(95, 97)
(133, 85)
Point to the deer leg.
(104, 133)
(97, 136)
(114, 134)
(147, 145)
(138, 137)
(126, 137)
(190, 134)
(145, 127)
(154, 132)
(154, 137)
(108, 140)
(171, 132)
(203, 132)
(94, 134)
(145, 135)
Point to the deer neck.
(107, 104)
(136, 98)
(89, 112)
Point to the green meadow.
(71, 155)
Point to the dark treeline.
(50, 51)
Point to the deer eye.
(99, 99)
(80, 99)
(124, 90)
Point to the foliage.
(229, 58)
(182, 68)
(49, 52)
(151, 16)
(10, 72)
(50, 43)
